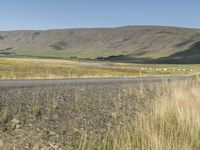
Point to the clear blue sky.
(46, 14)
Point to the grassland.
(24, 68)
(159, 116)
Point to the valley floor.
(29, 68)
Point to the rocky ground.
(58, 117)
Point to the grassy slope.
(136, 43)
(23, 68)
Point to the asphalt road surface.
(87, 81)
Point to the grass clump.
(172, 122)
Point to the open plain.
(29, 68)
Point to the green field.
(29, 68)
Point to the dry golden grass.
(171, 122)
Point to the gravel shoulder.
(36, 114)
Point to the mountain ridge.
(140, 44)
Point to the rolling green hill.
(141, 44)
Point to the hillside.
(142, 44)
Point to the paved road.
(78, 81)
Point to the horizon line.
(100, 27)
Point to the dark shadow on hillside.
(125, 59)
(189, 56)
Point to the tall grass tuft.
(171, 122)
